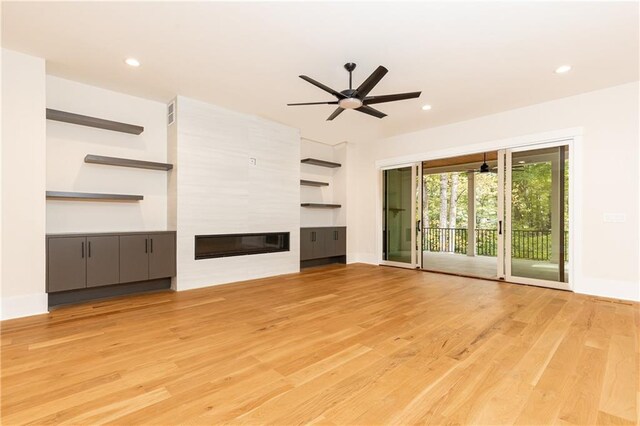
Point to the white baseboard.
(614, 289)
(23, 306)
(362, 258)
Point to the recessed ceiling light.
(562, 69)
(426, 107)
(133, 62)
(521, 162)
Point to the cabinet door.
(66, 262)
(162, 255)
(340, 242)
(331, 238)
(306, 243)
(319, 238)
(134, 258)
(103, 261)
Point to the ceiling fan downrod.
(350, 66)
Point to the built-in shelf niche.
(89, 196)
(99, 123)
(125, 162)
(321, 205)
(305, 182)
(321, 163)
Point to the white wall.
(67, 145)
(609, 183)
(23, 185)
(219, 192)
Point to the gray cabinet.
(323, 242)
(134, 258)
(306, 243)
(103, 263)
(66, 263)
(162, 255)
(336, 241)
(76, 262)
(312, 243)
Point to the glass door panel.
(537, 214)
(399, 236)
(460, 216)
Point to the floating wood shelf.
(321, 163)
(313, 183)
(100, 123)
(125, 162)
(321, 205)
(87, 196)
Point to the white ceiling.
(469, 59)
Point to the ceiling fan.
(484, 167)
(358, 99)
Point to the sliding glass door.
(537, 216)
(399, 205)
(500, 214)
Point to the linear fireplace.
(225, 245)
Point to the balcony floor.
(486, 266)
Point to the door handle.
(146, 241)
(499, 227)
(313, 236)
(151, 245)
(89, 249)
(335, 235)
(83, 249)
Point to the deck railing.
(525, 244)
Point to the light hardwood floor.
(353, 344)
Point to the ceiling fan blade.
(335, 113)
(369, 100)
(315, 103)
(375, 77)
(368, 110)
(323, 87)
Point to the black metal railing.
(525, 244)
(451, 240)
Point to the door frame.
(560, 285)
(572, 136)
(416, 169)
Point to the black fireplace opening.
(225, 245)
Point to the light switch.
(615, 217)
(253, 161)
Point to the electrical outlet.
(615, 217)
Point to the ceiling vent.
(171, 113)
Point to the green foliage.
(531, 193)
(486, 200)
(531, 197)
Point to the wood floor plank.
(342, 344)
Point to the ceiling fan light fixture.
(350, 103)
(563, 69)
(132, 62)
